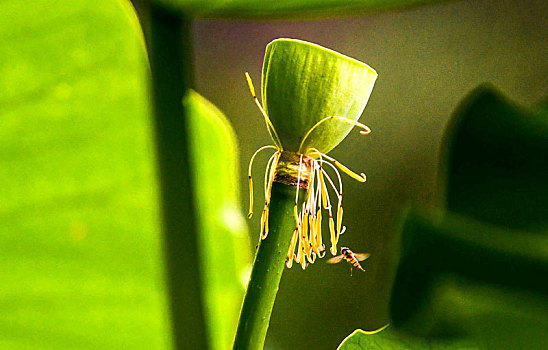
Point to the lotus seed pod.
(303, 83)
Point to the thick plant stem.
(169, 41)
(267, 271)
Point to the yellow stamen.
(310, 201)
(304, 264)
(298, 179)
(291, 251)
(266, 211)
(317, 205)
(339, 191)
(262, 224)
(312, 258)
(365, 128)
(316, 235)
(300, 256)
(269, 179)
(289, 262)
(304, 233)
(319, 234)
(250, 214)
(325, 197)
(269, 174)
(339, 216)
(312, 225)
(331, 182)
(360, 178)
(333, 236)
(269, 124)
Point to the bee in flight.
(352, 258)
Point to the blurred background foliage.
(478, 267)
(80, 239)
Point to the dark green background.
(428, 59)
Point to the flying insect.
(352, 258)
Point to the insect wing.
(361, 256)
(335, 260)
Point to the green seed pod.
(316, 96)
(304, 83)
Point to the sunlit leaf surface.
(81, 260)
(226, 253)
(388, 339)
(80, 242)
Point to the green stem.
(267, 271)
(170, 50)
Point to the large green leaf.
(79, 240)
(285, 8)
(478, 268)
(495, 165)
(82, 265)
(389, 339)
(458, 276)
(223, 233)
